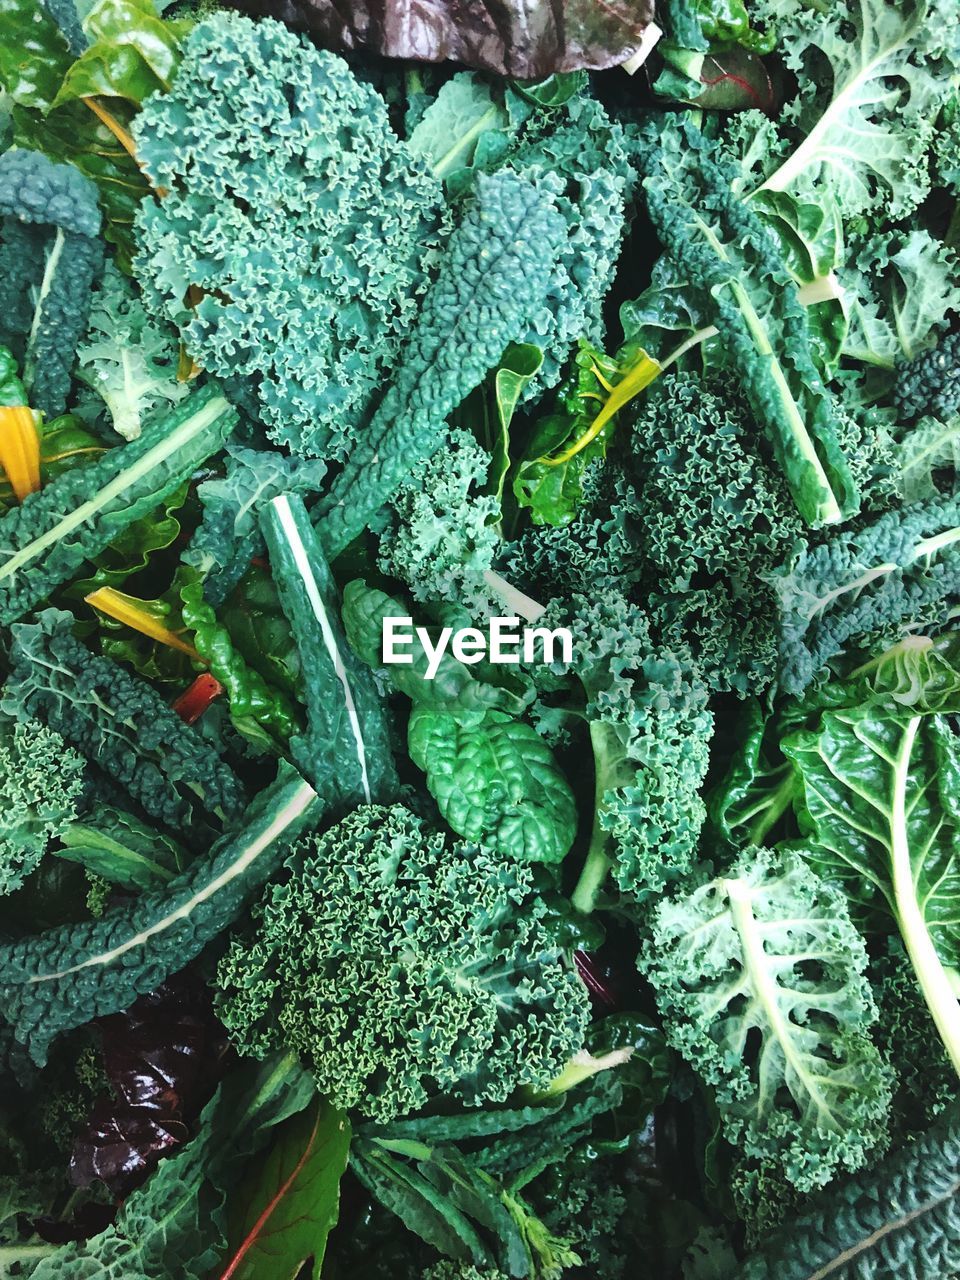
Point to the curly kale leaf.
(441, 535)
(583, 158)
(121, 724)
(873, 76)
(50, 255)
(41, 782)
(711, 504)
(450, 1270)
(946, 147)
(497, 270)
(759, 976)
(926, 1083)
(128, 359)
(274, 147)
(714, 518)
(456, 934)
(901, 290)
(598, 548)
(650, 727)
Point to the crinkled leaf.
(34, 56)
(879, 800)
(72, 132)
(132, 53)
(497, 782)
(873, 75)
(345, 749)
(754, 972)
(902, 289)
(511, 39)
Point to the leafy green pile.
(479, 666)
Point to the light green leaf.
(928, 447)
(881, 803)
(754, 972)
(122, 849)
(452, 126)
(873, 75)
(901, 290)
(133, 53)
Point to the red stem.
(250, 1238)
(194, 701)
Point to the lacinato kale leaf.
(345, 749)
(899, 1219)
(47, 538)
(495, 274)
(50, 256)
(122, 725)
(65, 977)
(731, 275)
(864, 583)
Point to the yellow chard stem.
(20, 449)
(132, 613)
(637, 377)
(122, 135)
